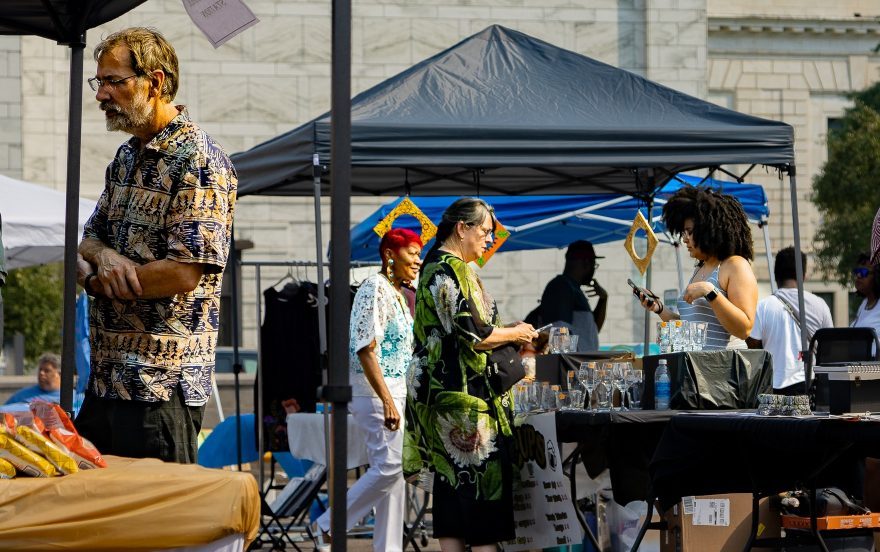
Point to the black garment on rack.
(290, 355)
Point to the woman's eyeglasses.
(485, 233)
(861, 272)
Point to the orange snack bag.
(53, 422)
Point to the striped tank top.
(700, 310)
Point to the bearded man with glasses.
(152, 257)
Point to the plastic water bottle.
(661, 386)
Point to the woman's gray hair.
(469, 210)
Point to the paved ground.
(359, 544)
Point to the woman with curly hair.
(723, 291)
(459, 423)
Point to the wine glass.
(588, 378)
(604, 389)
(618, 380)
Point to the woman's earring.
(390, 269)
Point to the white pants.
(382, 486)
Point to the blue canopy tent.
(541, 222)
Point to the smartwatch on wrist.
(712, 295)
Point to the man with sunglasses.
(152, 256)
(564, 300)
(777, 326)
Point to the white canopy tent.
(33, 222)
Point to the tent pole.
(236, 358)
(322, 300)
(338, 390)
(768, 254)
(799, 270)
(71, 226)
(260, 378)
(319, 247)
(648, 275)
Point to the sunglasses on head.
(861, 272)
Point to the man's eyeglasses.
(861, 272)
(95, 83)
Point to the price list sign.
(542, 505)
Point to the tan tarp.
(133, 504)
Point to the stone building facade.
(791, 60)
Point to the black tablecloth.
(552, 367)
(623, 442)
(712, 380)
(725, 453)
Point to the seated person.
(48, 387)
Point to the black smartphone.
(637, 291)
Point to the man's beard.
(136, 116)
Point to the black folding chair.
(293, 503)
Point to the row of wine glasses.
(598, 384)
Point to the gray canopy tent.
(66, 22)
(500, 113)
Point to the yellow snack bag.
(23, 459)
(47, 449)
(7, 470)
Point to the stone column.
(676, 44)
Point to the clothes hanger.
(288, 276)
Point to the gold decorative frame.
(407, 207)
(501, 235)
(641, 223)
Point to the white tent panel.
(33, 222)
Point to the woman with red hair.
(380, 349)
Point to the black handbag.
(505, 367)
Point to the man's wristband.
(87, 283)
(661, 307)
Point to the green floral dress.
(458, 425)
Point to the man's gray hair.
(50, 358)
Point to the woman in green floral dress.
(459, 431)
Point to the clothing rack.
(258, 265)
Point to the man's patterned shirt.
(172, 200)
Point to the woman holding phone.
(722, 291)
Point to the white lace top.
(379, 312)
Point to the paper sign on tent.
(220, 20)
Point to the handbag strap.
(790, 310)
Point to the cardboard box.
(715, 522)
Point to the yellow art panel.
(641, 223)
(407, 207)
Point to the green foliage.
(847, 191)
(32, 306)
(869, 96)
